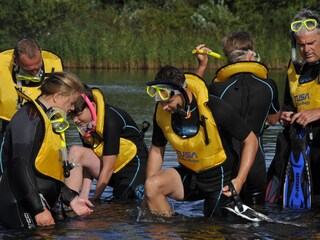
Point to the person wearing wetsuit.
(199, 127)
(33, 176)
(243, 83)
(24, 67)
(301, 97)
(114, 151)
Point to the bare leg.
(158, 186)
(86, 161)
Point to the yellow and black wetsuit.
(302, 93)
(8, 94)
(32, 168)
(117, 134)
(245, 86)
(202, 144)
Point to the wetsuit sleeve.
(67, 194)
(25, 136)
(275, 106)
(113, 125)
(227, 119)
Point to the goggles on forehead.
(58, 120)
(309, 24)
(22, 75)
(161, 92)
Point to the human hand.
(44, 218)
(237, 186)
(305, 117)
(202, 57)
(285, 118)
(81, 206)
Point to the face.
(30, 66)
(82, 119)
(308, 43)
(66, 103)
(172, 105)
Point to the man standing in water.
(302, 87)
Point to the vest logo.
(302, 97)
(187, 155)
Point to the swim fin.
(277, 169)
(298, 183)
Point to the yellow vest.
(304, 96)
(48, 161)
(257, 69)
(8, 94)
(128, 149)
(193, 152)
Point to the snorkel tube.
(92, 125)
(293, 47)
(212, 54)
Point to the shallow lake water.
(125, 220)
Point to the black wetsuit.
(253, 99)
(308, 73)
(208, 184)
(20, 184)
(129, 181)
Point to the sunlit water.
(125, 220)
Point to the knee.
(152, 186)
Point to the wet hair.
(81, 104)
(64, 83)
(26, 46)
(236, 44)
(171, 74)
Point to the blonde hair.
(64, 83)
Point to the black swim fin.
(298, 183)
(277, 169)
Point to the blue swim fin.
(297, 185)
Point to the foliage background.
(146, 34)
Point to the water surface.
(122, 220)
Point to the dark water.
(118, 220)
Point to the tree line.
(146, 34)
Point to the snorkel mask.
(58, 120)
(22, 75)
(91, 127)
(163, 92)
(309, 24)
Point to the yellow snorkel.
(212, 54)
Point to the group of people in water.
(216, 131)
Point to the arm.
(105, 175)
(250, 147)
(202, 60)
(273, 118)
(274, 111)
(155, 160)
(26, 134)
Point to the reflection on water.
(118, 220)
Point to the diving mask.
(309, 24)
(162, 92)
(58, 120)
(23, 75)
